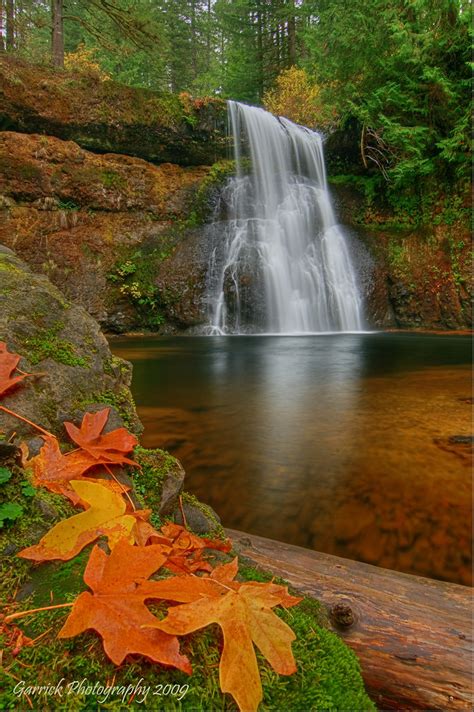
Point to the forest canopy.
(395, 72)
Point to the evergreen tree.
(401, 69)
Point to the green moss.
(135, 276)
(47, 344)
(201, 208)
(217, 531)
(112, 179)
(381, 204)
(327, 677)
(7, 266)
(397, 255)
(155, 465)
(121, 399)
(28, 528)
(114, 366)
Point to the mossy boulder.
(106, 116)
(62, 344)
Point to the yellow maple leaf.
(105, 516)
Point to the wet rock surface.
(99, 227)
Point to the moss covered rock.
(420, 265)
(64, 345)
(106, 116)
(327, 678)
(51, 174)
(119, 236)
(91, 222)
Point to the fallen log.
(412, 635)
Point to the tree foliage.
(401, 69)
(297, 97)
(397, 70)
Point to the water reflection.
(340, 443)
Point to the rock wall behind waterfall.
(422, 277)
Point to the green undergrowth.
(382, 204)
(134, 276)
(201, 209)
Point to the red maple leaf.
(110, 447)
(8, 364)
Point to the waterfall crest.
(281, 263)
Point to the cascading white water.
(282, 244)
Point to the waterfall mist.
(280, 262)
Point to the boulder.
(60, 343)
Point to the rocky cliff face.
(105, 116)
(420, 277)
(90, 221)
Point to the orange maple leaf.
(105, 515)
(116, 607)
(14, 638)
(187, 549)
(8, 364)
(182, 538)
(243, 611)
(111, 447)
(54, 471)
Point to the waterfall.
(280, 262)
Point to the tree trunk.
(10, 34)
(260, 60)
(208, 34)
(292, 35)
(193, 40)
(412, 635)
(2, 42)
(57, 39)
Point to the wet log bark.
(412, 635)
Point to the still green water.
(350, 444)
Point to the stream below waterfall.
(351, 444)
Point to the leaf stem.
(124, 491)
(25, 420)
(20, 614)
(180, 502)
